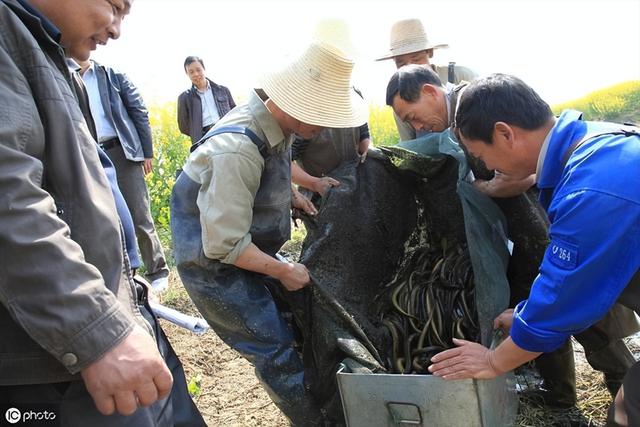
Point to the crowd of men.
(76, 330)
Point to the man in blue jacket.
(589, 179)
(416, 92)
(123, 131)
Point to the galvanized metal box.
(371, 400)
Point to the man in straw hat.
(230, 214)
(315, 158)
(409, 44)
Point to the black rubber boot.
(558, 373)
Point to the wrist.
(280, 269)
(316, 184)
(493, 363)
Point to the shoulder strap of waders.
(451, 72)
(262, 147)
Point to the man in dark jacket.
(124, 133)
(204, 103)
(73, 335)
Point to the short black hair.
(499, 98)
(191, 59)
(408, 80)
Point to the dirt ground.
(229, 392)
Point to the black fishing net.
(404, 256)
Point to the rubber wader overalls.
(238, 304)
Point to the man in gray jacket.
(123, 131)
(71, 328)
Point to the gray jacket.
(190, 109)
(66, 296)
(125, 108)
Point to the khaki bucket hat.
(408, 36)
(316, 89)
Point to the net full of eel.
(402, 261)
(432, 301)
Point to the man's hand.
(147, 166)
(363, 149)
(322, 185)
(504, 320)
(295, 276)
(292, 275)
(468, 360)
(299, 201)
(129, 375)
(504, 186)
(473, 360)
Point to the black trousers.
(632, 395)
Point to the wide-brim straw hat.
(316, 89)
(408, 36)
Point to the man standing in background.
(123, 131)
(204, 103)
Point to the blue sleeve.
(123, 211)
(593, 253)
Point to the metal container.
(371, 400)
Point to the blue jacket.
(593, 205)
(127, 112)
(126, 221)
